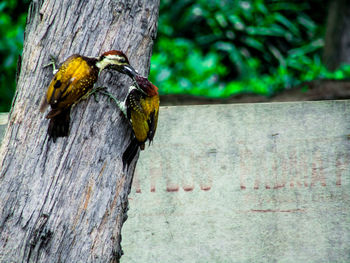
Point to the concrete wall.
(243, 183)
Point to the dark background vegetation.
(212, 48)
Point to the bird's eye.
(122, 60)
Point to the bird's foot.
(53, 64)
(94, 92)
(102, 90)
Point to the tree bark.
(67, 201)
(337, 41)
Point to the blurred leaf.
(252, 42)
(211, 48)
(288, 24)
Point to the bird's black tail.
(130, 153)
(59, 125)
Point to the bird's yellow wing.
(144, 115)
(152, 120)
(73, 79)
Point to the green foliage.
(12, 21)
(219, 48)
(212, 48)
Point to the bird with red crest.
(141, 108)
(73, 80)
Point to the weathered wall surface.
(243, 183)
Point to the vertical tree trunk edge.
(337, 40)
(67, 202)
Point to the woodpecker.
(141, 108)
(74, 79)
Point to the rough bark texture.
(337, 45)
(66, 202)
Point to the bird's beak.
(129, 70)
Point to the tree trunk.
(67, 201)
(337, 44)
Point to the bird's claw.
(95, 92)
(91, 92)
(52, 63)
(103, 90)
